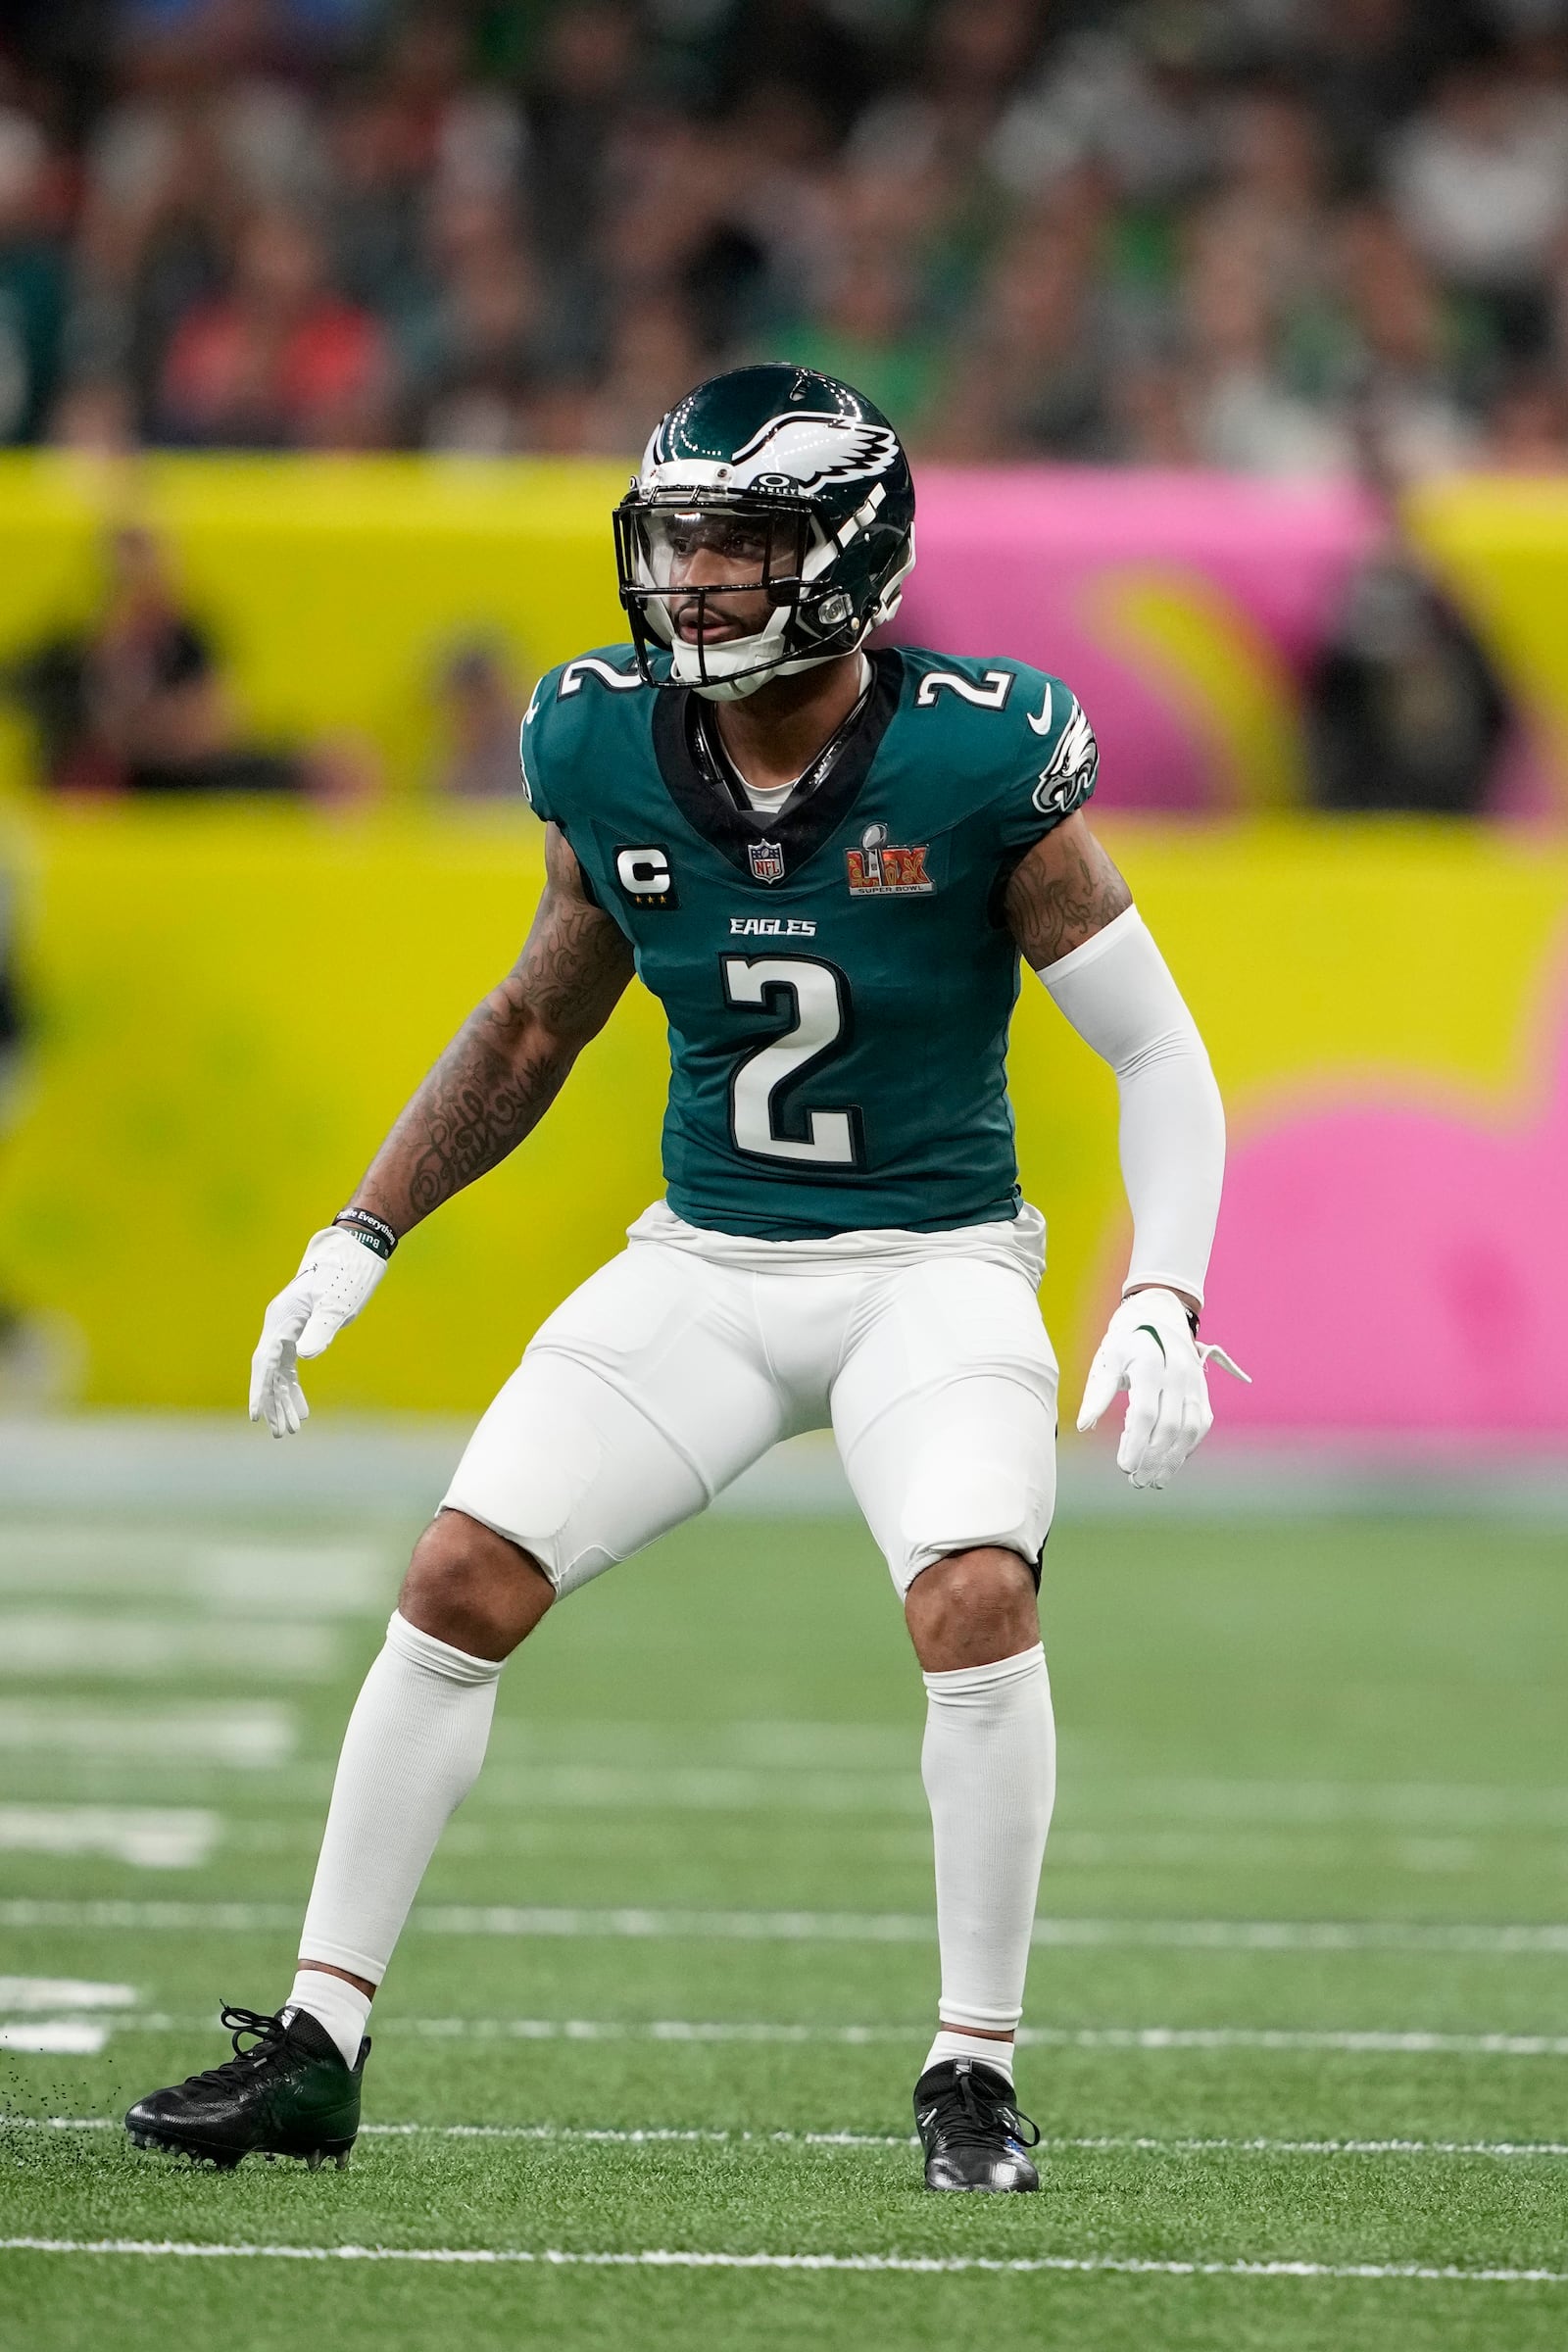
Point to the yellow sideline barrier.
(230, 1004)
(335, 587)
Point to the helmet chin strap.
(751, 677)
(736, 690)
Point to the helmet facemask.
(671, 541)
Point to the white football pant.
(677, 1366)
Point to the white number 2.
(991, 696)
(829, 1138)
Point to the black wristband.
(369, 1230)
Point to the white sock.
(341, 2008)
(412, 1752)
(949, 2045)
(989, 1768)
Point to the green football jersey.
(836, 976)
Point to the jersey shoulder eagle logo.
(1068, 777)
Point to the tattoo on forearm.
(508, 1060)
(474, 1109)
(1061, 894)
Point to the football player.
(826, 862)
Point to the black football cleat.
(972, 2133)
(288, 2094)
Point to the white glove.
(336, 1276)
(1150, 1352)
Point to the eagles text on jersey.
(838, 976)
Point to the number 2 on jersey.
(817, 996)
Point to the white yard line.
(54, 2037)
(146, 1836)
(1369, 2042)
(1094, 2144)
(683, 2259)
(251, 1735)
(271, 1580)
(1445, 1806)
(1496, 1940)
(43, 1644)
(63, 1992)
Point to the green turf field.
(1299, 1997)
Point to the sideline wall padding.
(1184, 607)
(334, 588)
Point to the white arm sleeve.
(1117, 992)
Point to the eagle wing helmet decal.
(810, 447)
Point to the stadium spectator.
(1480, 180)
(482, 711)
(278, 360)
(1404, 709)
(472, 354)
(1528, 424)
(1409, 349)
(136, 703)
(1032, 380)
(32, 280)
(1148, 227)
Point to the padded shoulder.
(580, 708)
(1013, 737)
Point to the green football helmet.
(790, 473)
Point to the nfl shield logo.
(766, 858)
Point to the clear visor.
(742, 550)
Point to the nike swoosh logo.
(1042, 724)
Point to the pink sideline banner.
(1183, 609)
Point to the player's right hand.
(336, 1276)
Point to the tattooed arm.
(510, 1059)
(1063, 893)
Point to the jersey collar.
(810, 818)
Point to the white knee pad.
(971, 1463)
(573, 1471)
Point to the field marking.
(251, 1735)
(340, 1580)
(1498, 1940)
(683, 2259)
(54, 2038)
(885, 1781)
(494, 1834)
(1101, 2143)
(146, 1836)
(1374, 2042)
(1390, 1804)
(39, 1645)
(64, 1992)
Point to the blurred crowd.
(1252, 234)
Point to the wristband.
(371, 1231)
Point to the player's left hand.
(1150, 1352)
